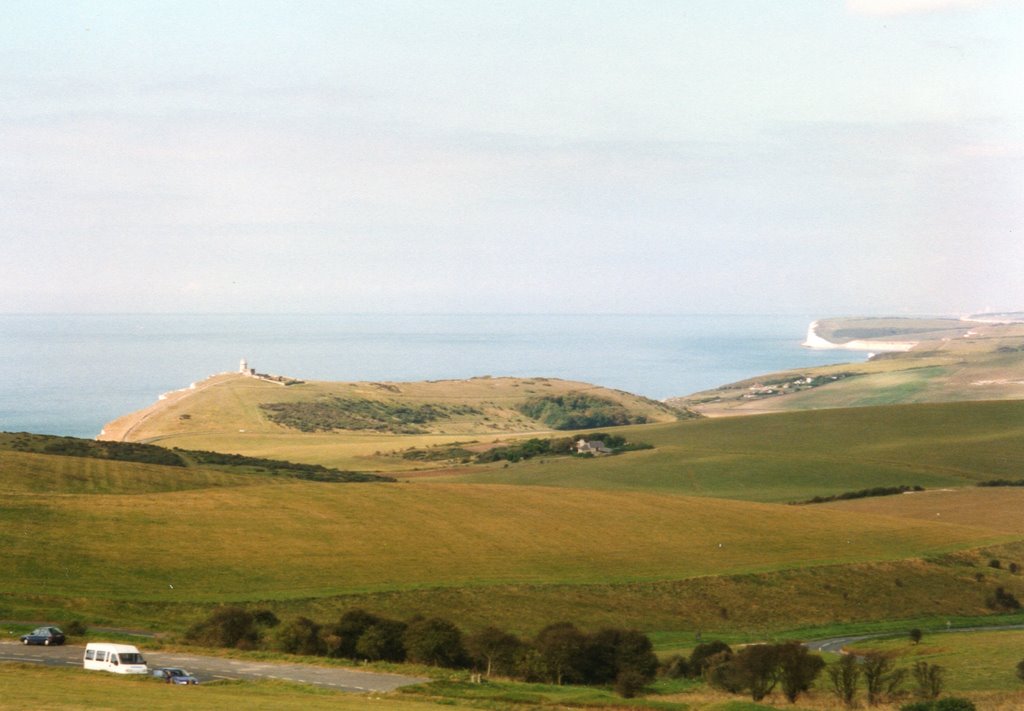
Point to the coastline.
(816, 342)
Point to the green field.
(795, 456)
(974, 661)
(691, 536)
(610, 539)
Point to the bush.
(75, 628)
(1002, 600)
(227, 626)
(1020, 670)
(383, 641)
(300, 636)
(494, 650)
(342, 637)
(675, 667)
(435, 641)
(702, 654)
(629, 683)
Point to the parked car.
(175, 675)
(43, 635)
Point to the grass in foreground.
(31, 686)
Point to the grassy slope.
(309, 540)
(940, 370)
(794, 456)
(973, 661)
(24, 686)
(223, 414)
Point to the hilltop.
(353, 424)
(911, 361)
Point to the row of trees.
(761, 668)
(560, 653)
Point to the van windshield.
(131, 658)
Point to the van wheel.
(46, 642)
(25, 642)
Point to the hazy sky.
(796, 156)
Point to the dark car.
(175, 675)
(43, 635)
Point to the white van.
(117, 658)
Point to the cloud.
(907, 7)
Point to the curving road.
(209, 668)
(837, 644)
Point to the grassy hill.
(796, 456)
(348, 424)
(612, 540)
(966, 361)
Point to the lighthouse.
(243, 368)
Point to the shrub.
(675, 667)
(75, 628)
(435, 641)
(342, 637)
(929, 679)
(629, 683)
(915, 635)
(494, 650)
(383, 641)
(560, 647)
(1020, 670)
(844, 675)
(300, 636)
(1003, 600)
(227, 626)
(797, 669)
(701, 656)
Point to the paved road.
(209, 668)
(836, 644)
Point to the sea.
(71, 374)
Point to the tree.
(844, 675)
(703, 652)
(756, 669)
(342, 637)
(561, 648)
(623, 656)
(435, 641)
(300, 636)
(915, 635)
(929, 679)
(494, 649)
(1020, 670)
(880, 676)
(797, 669)
(227, 626)
(382, 641)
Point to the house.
(595, 447)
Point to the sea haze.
(70, 374)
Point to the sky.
(827, 157)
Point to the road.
(209, 668)
(837, 644)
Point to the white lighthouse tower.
(243, 368)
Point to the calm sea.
(70, 374)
